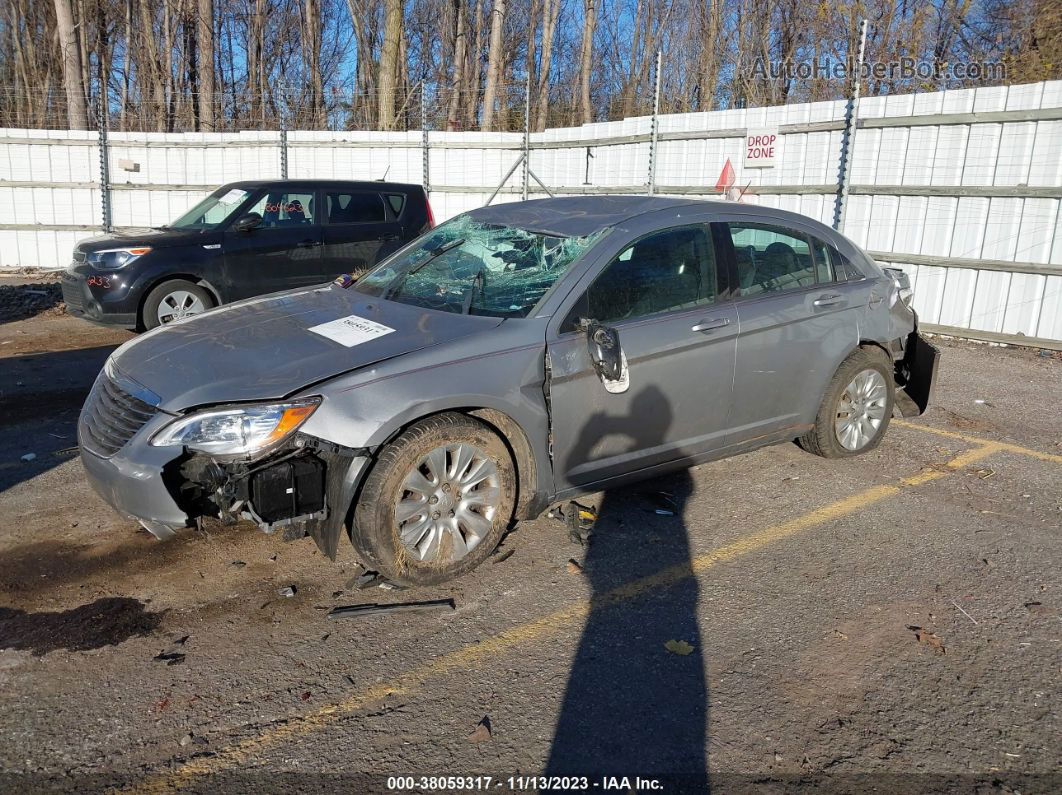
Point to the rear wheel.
(436, 503)
(174, 300)
(856, 408)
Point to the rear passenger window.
(821, 256)
(669, 270)
(397, 202)
(844, 268)
(354, 208)
(771, 258)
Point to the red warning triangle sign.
(727, 178)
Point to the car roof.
(576, 216)
(573, 216)
(251, 184)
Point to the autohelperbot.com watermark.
(905, 68)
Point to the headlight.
(113, 258)
(240, 430)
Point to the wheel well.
(169, 277)
(516, 442)
(870, 345)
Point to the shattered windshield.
(467, 267)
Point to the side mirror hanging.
(605, 351)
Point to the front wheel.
(436, 503)
(174, 300)
(856, 408)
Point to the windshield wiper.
(479, 279)
(435, 254)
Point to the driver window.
(771, 258)
(666, 271)
(284, 209)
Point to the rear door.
(665, 297)
(359, 226)
(797, 323)
(282, 252)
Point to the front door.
(358, 229)
(282, 252)
(669, 399)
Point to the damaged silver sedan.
(513, 357)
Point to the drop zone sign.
(760, 148)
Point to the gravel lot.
(890, 623)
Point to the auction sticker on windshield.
(351, 330)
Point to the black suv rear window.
(354, 208)
(397, 202)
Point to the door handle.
(711, 325)
(830, 299)
(390, 236)
(309, 243)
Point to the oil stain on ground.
(105, 622)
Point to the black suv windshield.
(213, 211)
(467, 267)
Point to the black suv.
(245, 239)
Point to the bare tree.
(586, 60)
(76, 108)
(550, 12)
(495, 58)
(206, 65)
(392, 44)
(460, 56)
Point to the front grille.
(72, 295)
(111, 417)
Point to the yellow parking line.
(980, 440)
(462, 658)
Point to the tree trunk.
(473, 70)
(392, 44)
(460, 46)
(311, 46)
(205, 41)
(586, 56)
(76, 108)
(550, 12)
(495, 56)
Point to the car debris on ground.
(356, 611)
(483, 731)
(579, 519)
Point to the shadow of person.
(631, 707)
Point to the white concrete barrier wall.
(984, 188)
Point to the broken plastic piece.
(356, 611)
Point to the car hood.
(156, 238)
(263, 349)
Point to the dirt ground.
(890, 623)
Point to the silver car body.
(716, 380)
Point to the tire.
(185, 294)
(865, 371)
(400, 532)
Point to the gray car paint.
(261, 349)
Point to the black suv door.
(359, 227)
(282, 252)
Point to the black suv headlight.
(111, 259)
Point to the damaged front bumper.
(304, 488)
(916, 375)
